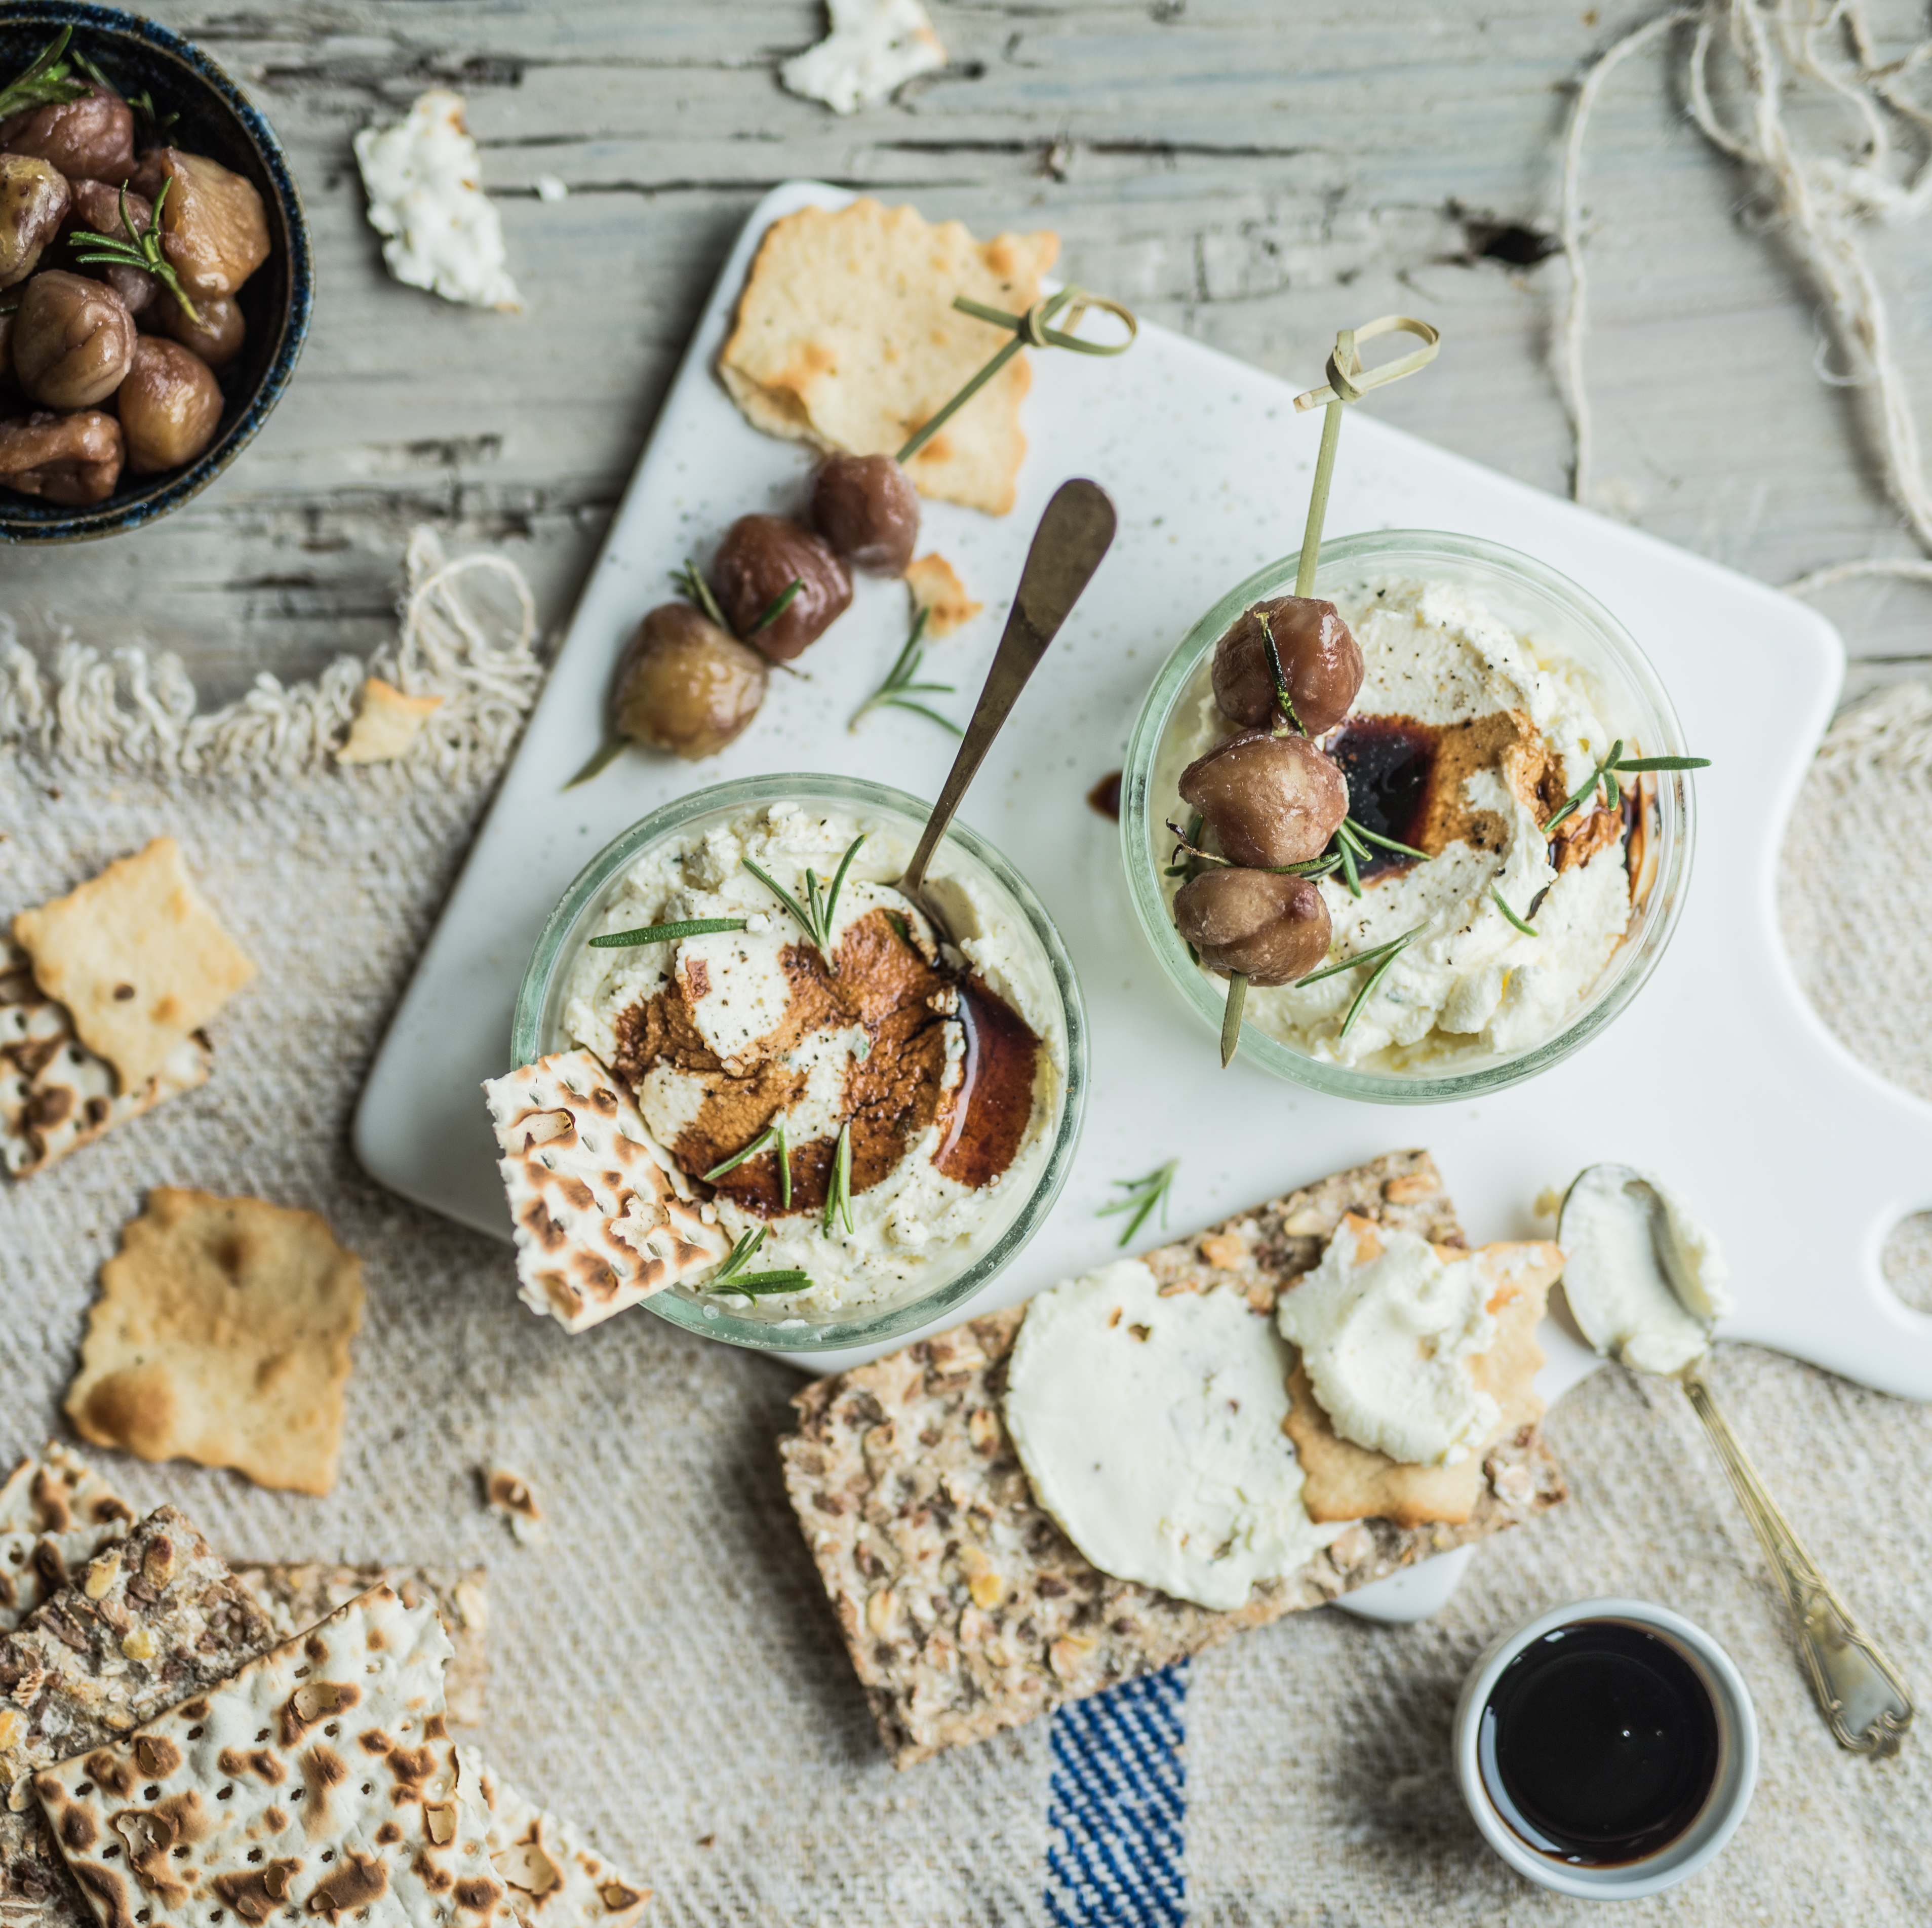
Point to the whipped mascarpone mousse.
(948, 1065)
(1465, 739)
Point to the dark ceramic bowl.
(275, 300)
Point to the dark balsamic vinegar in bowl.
(1600, 1743)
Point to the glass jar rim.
(554, 949)
(1629, 968)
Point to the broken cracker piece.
(875, 47)
(56, 1491)
(55, 1095)
(295, 1595)
(1343, 1481)
(847, 337)
(603, 1216)
(137, 957)
(386, 725)
(221, 1336)
(319, 1780)
(555, 1878)
(936, 588)
(513, 1496)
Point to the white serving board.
(1718, 1075)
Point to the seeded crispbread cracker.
(556, 1879)
(964, 1607)
(1344, 1481)
(55, 1095)
(295, 1595)
(603, 1216)
(847, 337)
(152, 1620)
(320, 1779)
(221, 1335)
(138, 958)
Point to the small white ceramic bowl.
(1730, 1793)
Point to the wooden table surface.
(1254, 172)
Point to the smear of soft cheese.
(424, 180)
(1150, 1429)
(1616, 1282)
(1387, 1328)
(874, 46)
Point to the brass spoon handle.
(1863, 1699)
(1072, 536)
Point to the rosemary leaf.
(1631, 764)
(777, 607)
(1230, 1016)
(1281, 695)
(1143, 1194)
(838, 1192)
(1362, 958)
(691, 585)
(1528, 930)
(767, 1284)
(741, 1254)
(606, 753)
(1387, 843)
(1368, 991)
(665, 934)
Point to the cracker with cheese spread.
(846, 338)
(965, 1609)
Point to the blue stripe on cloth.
(1117, 1810)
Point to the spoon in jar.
(1072, 536)
(1645, 1283)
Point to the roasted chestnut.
(33, 201)
(73, 340)
(213, 229)
(216, 337)
(1269, 800)
(683, 684)
(1272, 929)
(1319, 658)
(866, 507)
(97, 209)
(73, 459)
(90, 139)
(169, 406)
(759, 560)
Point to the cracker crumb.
(511, 1495)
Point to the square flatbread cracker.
(137, 957)
(295, 1595)
(151, 1620)
(847, 337)
(1343, 1481)
(55, 1095)
(603, 1216)
(221, 1335)
(964, 1607)
(319, 1780)
(556, 1878)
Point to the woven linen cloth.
(665, 1669)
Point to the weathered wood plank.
(1253, 175)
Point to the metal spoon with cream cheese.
(1646, 1283)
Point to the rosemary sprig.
(45, 83)
(665, 934)
(899, 686)
(1143, 1196)
(777, 607)
(1281, 695)
(772, 1138)
(814, 916)
(1528, 930)
(1607, 772)
(838, 1192)
(139, 250)
(731, 1276)
(692, 586)
(1368, 989)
